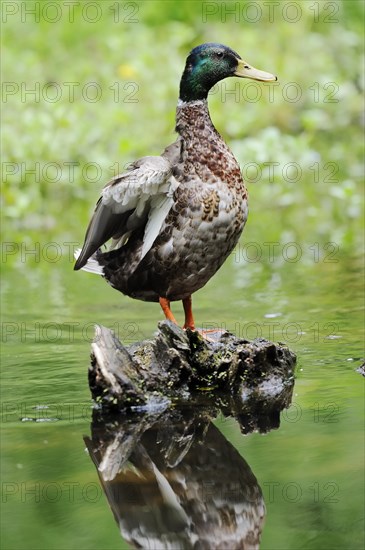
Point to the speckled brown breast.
(204, 224)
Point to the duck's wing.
(173, 152)
(140, 197)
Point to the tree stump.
(179, 366)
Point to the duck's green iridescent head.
(209, 63)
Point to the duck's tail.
(92, 265)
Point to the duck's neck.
(203, 151)
(193, 118)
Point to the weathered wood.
(181, 365)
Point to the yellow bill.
(244, 70)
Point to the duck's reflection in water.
(174, 481)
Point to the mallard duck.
(174, 219)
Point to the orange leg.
(165, 304)
(189, 319)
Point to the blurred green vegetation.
(135, 52)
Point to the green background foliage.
(136, 55)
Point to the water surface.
(309, 471)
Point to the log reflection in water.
(174, 481)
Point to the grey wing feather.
(103, 225)
(142, 196)
(172, 152)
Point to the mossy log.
(178, 365)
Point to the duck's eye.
(219, 54)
